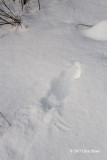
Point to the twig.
(39, 4)
(7, 16)
(85, 25)
(5, 119)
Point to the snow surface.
(53, 83)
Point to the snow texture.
(53, 82)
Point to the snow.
(97, 32)
(53, 83)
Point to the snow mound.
(97, 32)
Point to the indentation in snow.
(61, 86)
(97, 32)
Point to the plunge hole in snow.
(61, 87)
